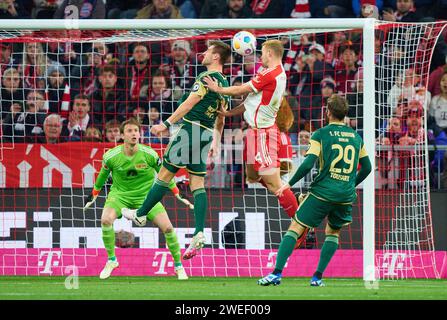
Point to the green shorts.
(189, 149)
(119, 202)
(312, 212)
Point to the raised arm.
(213, 85)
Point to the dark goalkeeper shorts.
(312, 212)
(189, 149)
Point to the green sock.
(285, 250)
(157, 192)
(330, 245)
(108, 237)
(174, 247)
(200, 209)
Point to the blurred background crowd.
(54, 92)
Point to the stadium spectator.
(180, 65)
(56, 77)
(53, 128)
(162, 95)
(108, 99)
(138, 74)
(237, 9)
(332, 46)
(269, 8)
(248, 67)
(338, 9)
(159, 9)
(438, 109)
(367, 8)
(12, 9)
(45, 9)
(434, 80)
(112, 131)
(408, 86)
(86, 9)
(118, 9)
(405, 12)
(154, 118)
(226, 9)
(298, 158)
(84, 73)
(25, 125)
(355, 101)
(92, 134)
(79, 119)
(11, 91)
(345, 72)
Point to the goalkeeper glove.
(90, 199)
(176, 192)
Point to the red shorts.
(261, 148)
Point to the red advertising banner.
(68, 165)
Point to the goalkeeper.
(133, 167)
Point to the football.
(244, 43)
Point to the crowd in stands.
(72, 91)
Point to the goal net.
(64, 94)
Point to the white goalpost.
(381, 214)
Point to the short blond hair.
(276, 46)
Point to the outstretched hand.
(211, 83)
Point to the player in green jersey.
(198, 137)
(133, 167)
(339, 150)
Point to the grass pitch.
(197, 288)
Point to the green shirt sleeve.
(364, 171)
(103, 175)
(304, 168)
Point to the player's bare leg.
(108, 217)
(327, 252)
(197, 185)
(293, 234)
(164, 224)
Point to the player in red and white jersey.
(265, 93)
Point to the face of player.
(81, 107)
(140, 54)
(131, 134)
(158, 84)
(108, 80)
(265, 57)
(403, 6)
(208, 56)
(113, 134)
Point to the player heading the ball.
(265, 93)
